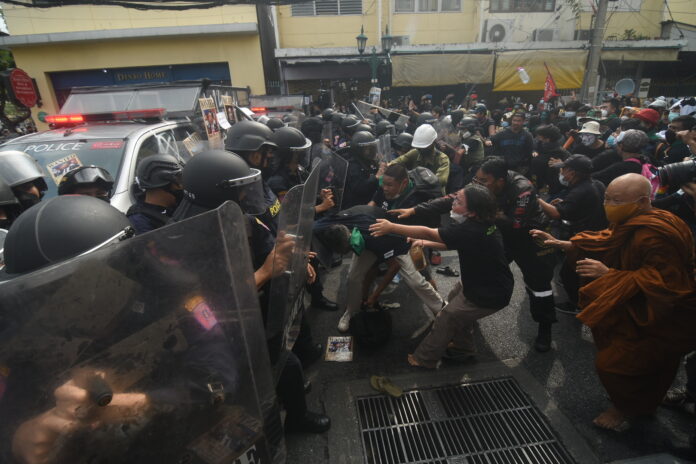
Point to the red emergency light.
(62, 120)
(258, 109)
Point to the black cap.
(578, 163)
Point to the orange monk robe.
(643, 311)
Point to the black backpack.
(371, 328)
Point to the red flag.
(549, 86)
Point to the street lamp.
(362, 40)
(387, 42)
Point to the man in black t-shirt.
(486, 281)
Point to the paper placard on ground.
(339, 349)
(61, 167)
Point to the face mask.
(670, 136)
(587, 139)
(178, 195)
(673, 116)
(563, 180)
(618, 214)
(605, 113)
(27, 200)
(466, 135)
(458, 218)
(426, 151)
(611, 141)
(505, 124)
(570, 114)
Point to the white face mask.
(563, 180)
(458, 218)
(605, 113)
(466, 135)
(588, 139)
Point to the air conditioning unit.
(401, 40)
(583, 34)
(497, 30)
(545, 35)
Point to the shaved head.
(629, 188)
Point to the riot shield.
(399, 120)
(286, 294)
(384, 149)
(3, 234)
(327, 133)
(149, 350)
(333, 170)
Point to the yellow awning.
(659, 54)
(567, 68)
(438, 69)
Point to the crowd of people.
(603, 194)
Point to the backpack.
(371, 328)
(649, 172)
(425, 181)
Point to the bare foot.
(414, 362)
(612, 419)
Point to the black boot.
(321, 302)
(311, 422)
(543, 341)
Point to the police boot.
(543, 341)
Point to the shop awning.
(441, 69)
(567, 68)
(645, 54)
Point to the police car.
(93, 128)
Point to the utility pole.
(588, 93)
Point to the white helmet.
(424, 136)
(659, 104)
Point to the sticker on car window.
(60, 167)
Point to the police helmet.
(363, 144)
(468, 123)
(363, 127)
(7, 196)
(480, 108)
(337, 118)
(215, 176)
(61, 228)
(327, 114)
(157, 171)
(85, 176)
(248, 136)
(311, 125)
(425, 118)
(384, 127)
(18, 168)
(402, 141)
(290, 138)
(348, 123)
(275, 123)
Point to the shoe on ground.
(678, 398)
(567, 308)
(542, 344)
(311, 422)
(324, 303)
(344, 322)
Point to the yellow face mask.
(618, 214)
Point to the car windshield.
(60, 157)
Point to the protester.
(629, 145)
(515, 145)
(426, 155)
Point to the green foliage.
(628, 34)
(574, 6)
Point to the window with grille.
(327, 8)
(529, 6)
(427, 6)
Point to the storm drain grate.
(483, 422)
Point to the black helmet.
(402, 141)
(456, 116)
(248, 136)
(480, 108)
(337, 118)
(275, 123)
(327, 114)
(289, 138)
(85, 176)
(157, 171)
(363, 144)
(468, 123)
(290, 118)
(61, 228)
(425, 118)
(215, 176)
(311, 125)
(363, 127)
(348, 123)
(18, 168)
(384, 127)
(7, 196)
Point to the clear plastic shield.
(3, 234)
(333, 170)
(286, 297)
(384, 149)
(327, 132)
(149, 350)
(399, 120)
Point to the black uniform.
(361, 182)
(145, 217)
(520, 213)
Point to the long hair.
(479, 200)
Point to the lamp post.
(375, 60)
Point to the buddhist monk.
(638, 296)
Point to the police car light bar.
(73, 119)
(258, 109)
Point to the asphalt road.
(566, 372)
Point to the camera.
(678, 174)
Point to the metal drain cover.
(492, 421)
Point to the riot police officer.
(363, 172)
(87, 180)
(159, 179)
(24, 176)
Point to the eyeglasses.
(479, 181)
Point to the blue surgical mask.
(570, 114)
(505, 124)
(563, 180)
(673, 116)
(611, 141)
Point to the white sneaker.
(344, 322)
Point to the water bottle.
(524, 77)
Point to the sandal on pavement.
(385, 385)
(415, 363)
(448, 271)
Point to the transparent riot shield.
(327, 133)
(384, 149)
(149, 350)
(399, 120)
(286, 294)
(333, 170)
(3, 234)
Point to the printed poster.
(194, 144)
(58, 168)
(228, 104)
(210, 122)
(339, 349)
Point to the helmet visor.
(18, 168)
(93, 175)
(249, 192)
